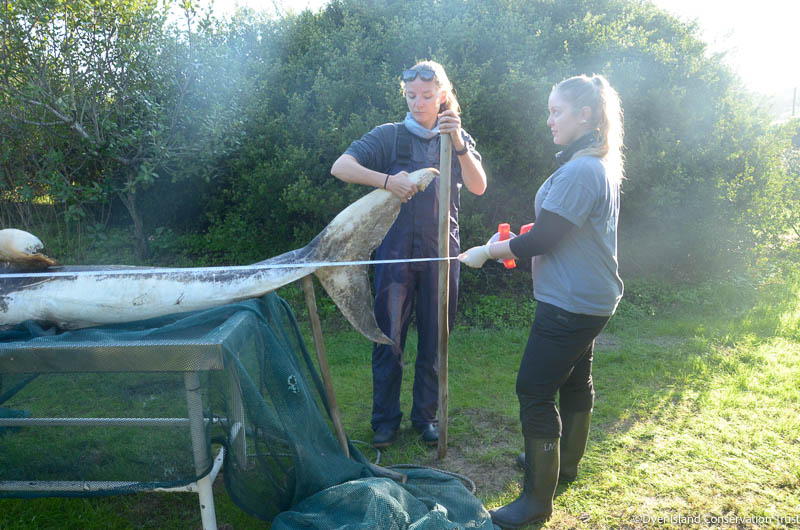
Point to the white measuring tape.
(198, 270)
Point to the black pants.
(558, 359)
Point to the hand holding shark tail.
(352, 236)
(76, 297)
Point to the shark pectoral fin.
(349, 288)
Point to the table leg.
(194, 401)
(238, 433)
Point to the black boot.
(575, 433)
(540, 480)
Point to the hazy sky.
(761, 38)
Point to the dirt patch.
(606, 341)
(487, 456)
(665, 341)
(618, 426)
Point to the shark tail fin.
(352, 236)
(349, 288)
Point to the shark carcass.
(74, 297)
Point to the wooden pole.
(327, 380)
(322, 358)
(444, 285)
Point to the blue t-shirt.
(415, 233)
(581, 274)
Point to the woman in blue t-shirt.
(576, 285)
(382, 158)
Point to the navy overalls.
(414, 234)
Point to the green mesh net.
(246, 369)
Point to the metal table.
(191, 356)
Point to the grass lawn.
(696, 421)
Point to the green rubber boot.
(575, 433)
(540, 480)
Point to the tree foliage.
(103, 100)
(226, 133)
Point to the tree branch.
(30, 122)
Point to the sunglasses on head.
(425, 75)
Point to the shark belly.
(119, 298)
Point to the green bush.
(237, 164)
(497, 312)
(700, 156)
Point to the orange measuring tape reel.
(504, 233)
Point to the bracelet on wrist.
(385, 182)
(460, 152)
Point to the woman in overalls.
(382, 158)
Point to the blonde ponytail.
(607, 119)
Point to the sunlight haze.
(760, 39)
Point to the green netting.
(261, 398)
